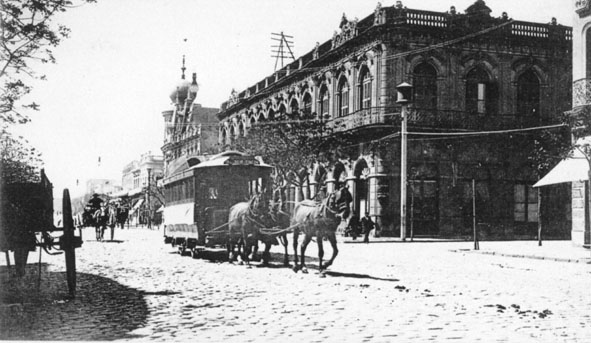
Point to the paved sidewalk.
(562, 251)
(138, 289)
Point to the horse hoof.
(322, 275)
(305, 270)
(295, 269)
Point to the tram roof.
(224, 160)
(231, 158)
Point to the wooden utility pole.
(476, 244)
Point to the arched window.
(271, 114)
(528, 94)
(588, 53)
(232, 134)
(323, 100)
(365, 89)
(481, 92)
(281, 111)
(241, 129)
(307, 101)
(294, 107)
(425, 86)
(224, 136)
(343, 97)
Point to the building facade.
(190, 130)
(484, 88)
(581, 88)
(140, 173)
(140, 194)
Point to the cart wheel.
(69, 248)
(182, 249)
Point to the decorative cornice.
(583, 8)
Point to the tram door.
(423, 199)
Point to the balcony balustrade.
(433, 119)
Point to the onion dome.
(181, 90)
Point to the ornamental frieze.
(581, 92)
(348, 31)
(583, 8)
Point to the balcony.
(434, 120)
(371, 117)
(450, 120)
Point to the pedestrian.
(353, 227)
(367, 225)
(101, 217)
(346, 198)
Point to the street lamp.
(404, 98)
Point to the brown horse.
(317, 220)
(244, 221)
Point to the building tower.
(184, 137)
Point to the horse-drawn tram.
(199, 198)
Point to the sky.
(105, 95)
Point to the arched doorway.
(361, 191)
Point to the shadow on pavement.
(358, 276)
(102, 310)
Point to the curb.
(535, 257)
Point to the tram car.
(198, 199)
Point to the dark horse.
(278, 219)
(317, 220)
(244, 221)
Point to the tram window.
(212, 193)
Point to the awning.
(135, 191)
(119, 194)
(136, 206)
(572, 169)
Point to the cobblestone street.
(138, 288)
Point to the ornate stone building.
(484, 87)
(581, 101)
(189, 128)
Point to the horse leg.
(320, 252)
(255, 251)
(246, 252)
(283, 240)
(335, 251)
(296, 265)
(305, 242)
(267, 254)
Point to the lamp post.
(404, 98)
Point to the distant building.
(190, 129)
(137, 174)
(102, 186)
(139, 179)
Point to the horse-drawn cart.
(26, 222)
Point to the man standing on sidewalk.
(367, 224)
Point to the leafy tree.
(28, 36)
(293, 143)
(19, 162)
